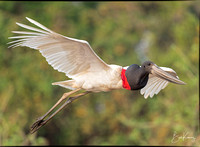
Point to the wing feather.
(150, 88)
(155, 84)
(68, 55)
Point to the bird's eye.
(149, 64)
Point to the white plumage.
(71, 56)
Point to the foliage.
(122, 33)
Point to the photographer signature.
(182, 137)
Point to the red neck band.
(125, 83)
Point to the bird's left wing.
(68, 55)
(155, 84)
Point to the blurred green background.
(122, 33)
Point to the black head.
(155, 70)
(147, 66)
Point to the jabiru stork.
(88, 71)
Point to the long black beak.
(157, 71)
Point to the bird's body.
(88, 71)
(93, 81)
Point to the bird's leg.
(40, 122)
(65, 95)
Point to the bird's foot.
(37, 124)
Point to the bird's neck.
(134, 78)
(142, 78)
(125, 83)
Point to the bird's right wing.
(68, 55)
(155, 84)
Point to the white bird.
(88, 71)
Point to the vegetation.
(122, 33)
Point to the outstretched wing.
(68, 55)
(155, 84)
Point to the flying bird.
(88, 71)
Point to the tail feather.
(69, 84)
